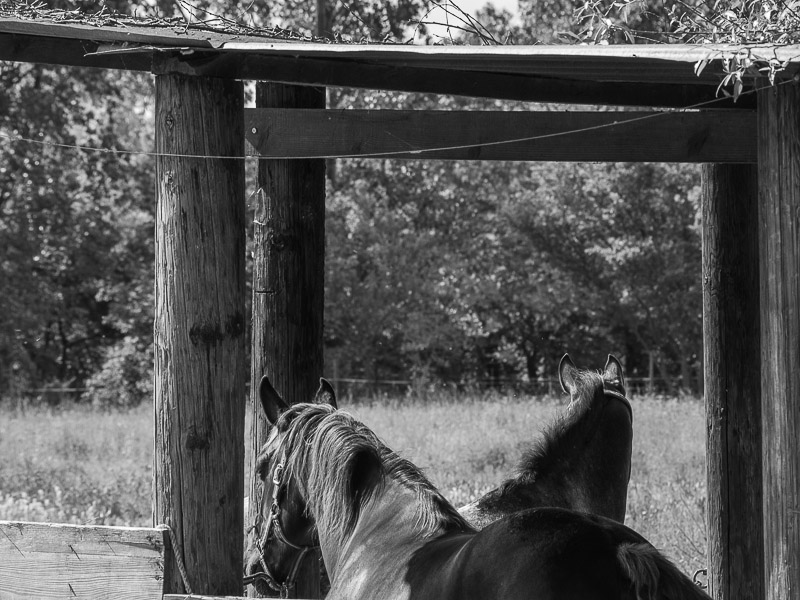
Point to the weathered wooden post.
(732, 381)
(779, 235)
(288, 281)
(200, 327)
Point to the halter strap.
(615, 390)
(274, 526)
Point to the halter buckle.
(278, 476)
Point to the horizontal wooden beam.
(332, 72)
(52, 561)
(640, 63)
(202, 597)
(67, 52)
(695, 137)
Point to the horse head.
(601, 418)
(283, 534)
(573, 381)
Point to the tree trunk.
(779, 237)
(199, 328)
(732, 381)
(288, 283)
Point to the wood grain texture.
(732, 381)
(719, 136)
(200, 328)
(56, 561)
(288, 283)
(330, 71)
(202, 597)
(58, 51)
(779, 233)
(655, 63)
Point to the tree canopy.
(456, 272)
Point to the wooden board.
(330, 71)
(732, 364)
(55, 561)
(202, 597)
(288, 287)
(779, 242)
(713, 136)
(199, 328)
(55, 51)
(128, 30)
(653, 63)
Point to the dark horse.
(385, 531)
(583, 459)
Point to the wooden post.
(779, 234)
(199, 329)
(323, 29)
(732, 381)
(288, 282)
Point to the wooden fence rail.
(50, 561)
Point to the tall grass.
(76, 465)
(79, 465)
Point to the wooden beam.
(288, 286)
(332, 72)
(719, 136)
(336, 73)
(204, 597)
(50, 561)
(651, 63)
(67, 52)
(732, 381)
(200, 328)
(779, 223)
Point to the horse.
(386, 532)
(583, 459)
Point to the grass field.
(84, 466)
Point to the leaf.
(737, 88)
(700, 66)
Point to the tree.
(75, 225)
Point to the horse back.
(537, 554)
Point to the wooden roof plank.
(329, 72)
(67, 52)
(654, 75)
(709, 136)
(176, 35)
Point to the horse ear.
(567, 371)
(325, 393)
(271, 401)
(613, 371)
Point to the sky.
(471, 7)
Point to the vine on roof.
(37, 10)
(753, 23)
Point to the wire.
(387, 154)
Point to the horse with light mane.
(583, 459)
(386, 532)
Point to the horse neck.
(390, 519)
(590, 466)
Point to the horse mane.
(545, 454)
(325, 446)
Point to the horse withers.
(582, 460)
(386, 532)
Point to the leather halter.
(615, 390)
(274, 527)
